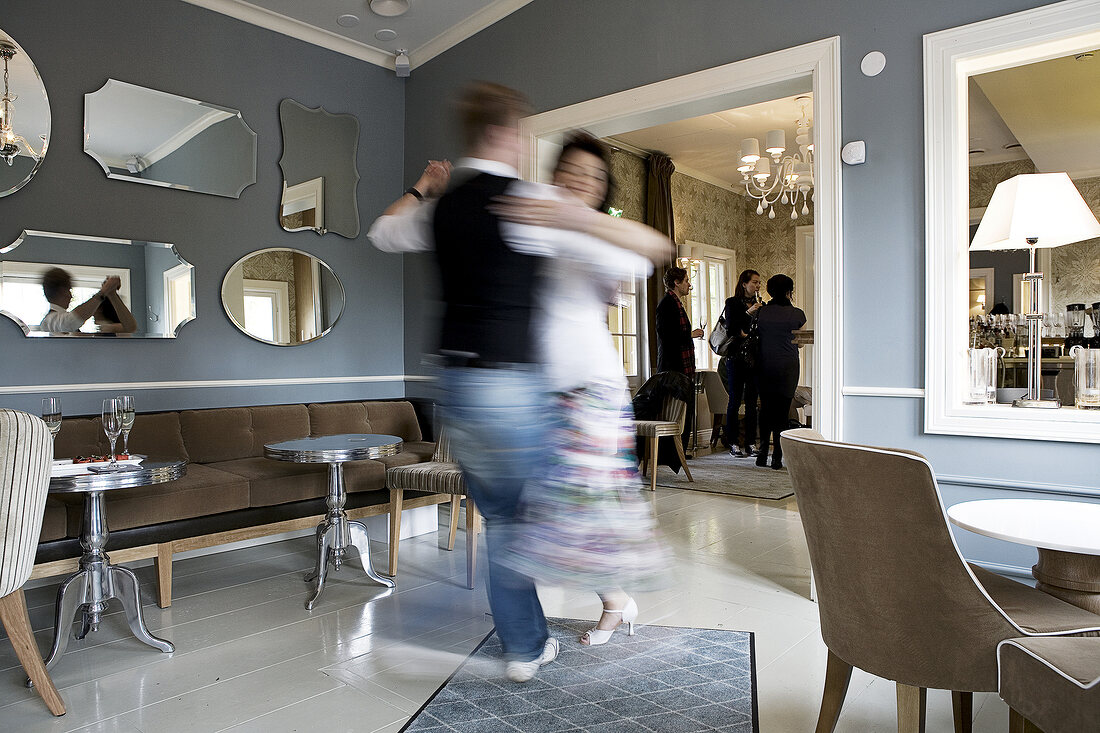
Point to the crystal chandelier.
(9, 139)
(776, 177)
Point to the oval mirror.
(23, 137)
(282, 296)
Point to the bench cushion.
(54, 525)
(158, 436)
(277, 482)
(80, 436)
(336, 418)
(217, 435)
(202, 490)
(274, 423)
(393, 418)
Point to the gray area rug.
(663, 678)
(721, 473)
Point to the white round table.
(1066, 533)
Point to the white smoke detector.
(389, 8)
(401, 63)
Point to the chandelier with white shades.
(778, 178)
(9, 139)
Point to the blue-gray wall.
(565, 51)
(196, 53)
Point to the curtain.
(658, 214)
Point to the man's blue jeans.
(496, 420)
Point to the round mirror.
(282, 296)
(24, 137)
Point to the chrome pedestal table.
(336, 533)
(98, 581)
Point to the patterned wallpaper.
(1075, 268)
(277, 266)
(713, 215)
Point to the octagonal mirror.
(281, 296)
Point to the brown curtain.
(658, 214)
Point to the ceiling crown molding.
(257, 16)
(294, 28)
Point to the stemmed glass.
(127, 402)
(112, 426)
(51, 414)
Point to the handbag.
(748, 351)
(720, 338)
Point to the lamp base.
(1048, 404)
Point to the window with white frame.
(21, 289)
(622, 322)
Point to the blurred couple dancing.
(533, 396)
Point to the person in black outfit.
(778, 372)
(740, 316)
(675, 345)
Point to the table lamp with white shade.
(1027, 212)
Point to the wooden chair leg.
(472, 529)
(1019, 724)
(652, 458)
(838, 674)
(163, 563)
(456, 504)
(683, 458)
(397, 497)
(962, 709)
(13, 614)
(911, 708)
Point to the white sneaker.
(525, 671)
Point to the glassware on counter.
(112, 426)
(128, 414)
(982, 376)
(1086, 377)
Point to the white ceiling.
(709, 147)
(428, 29)
(1052, 108)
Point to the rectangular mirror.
(1012, 95)
(148, 136)
(51, 285)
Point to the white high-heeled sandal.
(597, 636)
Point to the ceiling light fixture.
(389, 8)
(9, 140)
(793, 175)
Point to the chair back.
(26, 448)
(895, 596)
(673, 410)
(714, 386)
(443, 448)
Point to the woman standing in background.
(778, 372)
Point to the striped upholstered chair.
(670, 423)
(441, 475)
(25, 451)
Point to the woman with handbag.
(778, 372)
(740, 317)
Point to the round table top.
(334, 448)
(1069, 526)
(143, 474)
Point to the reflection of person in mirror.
(112, 316)
(57, 286)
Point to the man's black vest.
(488, 289)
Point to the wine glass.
(127, 401)
(51, 414)
(112, 426)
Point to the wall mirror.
(282, 296)
(154, 296)
(1011, 95)
(148, 136)
(319, 171)
(25, 136)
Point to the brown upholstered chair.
(1052, 683)
(25, 452)
(895, 596)
(669, 423)
(441, 475)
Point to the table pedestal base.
(336, 534)
(1070, 576)
(97, 582)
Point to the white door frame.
(820, 61)
(804, 262)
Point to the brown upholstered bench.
(230, 491)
